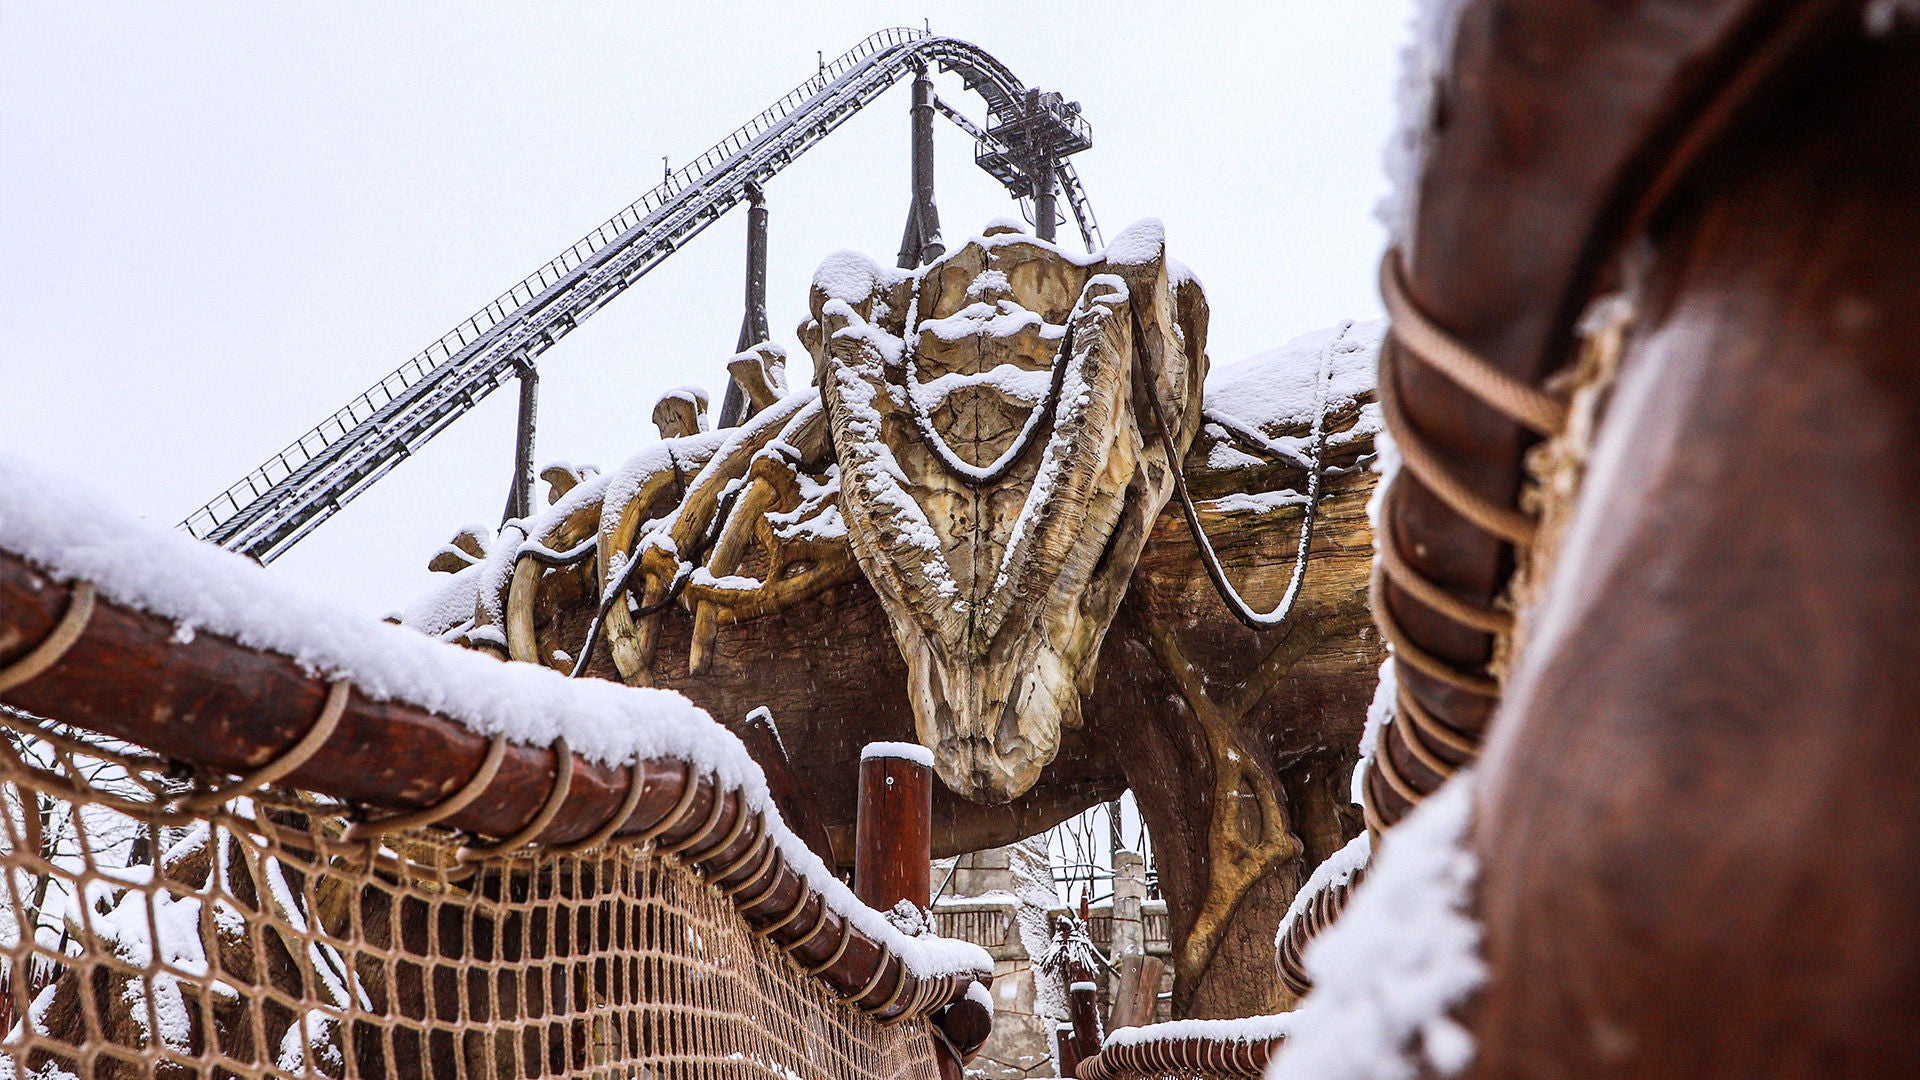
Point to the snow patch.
(691, 394)
(1245, 1029)
(979, 994)
(1257, 502)
(1281, 387)
(1404, 954)
(1223, 455)
(1379, 710)
(447, 607)
(851, 277)
(1139, 244)
(905, 751)
(1002, 320)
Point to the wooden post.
(967, 1024)
(1066, 1051)
(798, 805)
(1083, 1008)
(893, 833)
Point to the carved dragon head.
(1000, 469)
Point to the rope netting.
(148, 930)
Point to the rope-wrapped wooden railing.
(1321, 911)
(1442, 701)
(1482, 319)
(1237, 1051)
(232, 711)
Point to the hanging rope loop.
(1209, 558)
(1040, 416)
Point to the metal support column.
(921, 244)
(520, 493)
(1044, 212)
(735, 408)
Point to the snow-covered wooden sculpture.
(1000, 481)
(963, 534)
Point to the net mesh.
(254, 940)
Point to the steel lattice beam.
(297, 489)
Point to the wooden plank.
(1136, 991)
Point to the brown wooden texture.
(1083, 1010)
(1698, 815)
(892, 849)
(1321, 911)
(1564, 123)
(1136, 991)
(951, 1067)
(967, 1024)
(229, 708)
(1238, 745)
(799, 808)
(1068, 1049)
(1188, 1056)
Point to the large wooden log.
(1651, 86)
(225, 707)
(1698, 812)
(1152, 1053)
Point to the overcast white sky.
(218, 222)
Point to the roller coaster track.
(295, 490)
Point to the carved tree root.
(1242, 848)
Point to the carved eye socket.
(794, 570)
